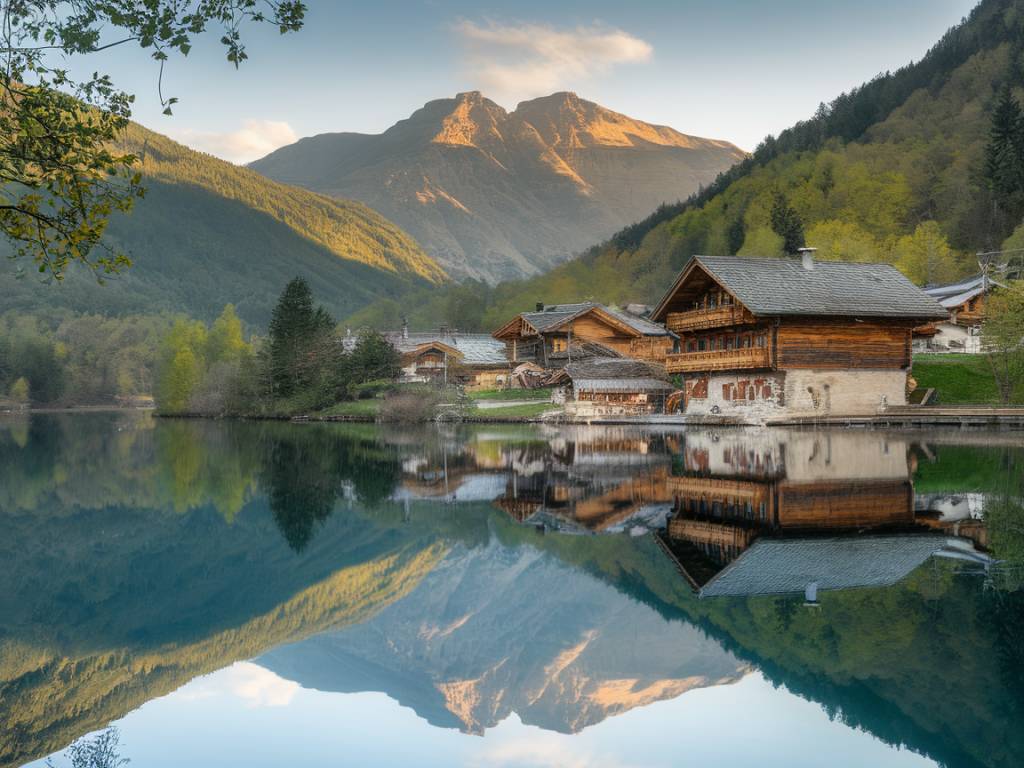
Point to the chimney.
(807, 258)
(540, 306)
(405, 328)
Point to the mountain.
(484, 635)
(864, 173)
(208, 233)
(496, 195)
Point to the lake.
(263, 594)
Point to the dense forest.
(910, 168)
(209, 233)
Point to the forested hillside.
(902, 169)
(209, 233)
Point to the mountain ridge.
(494, 194)
(209, 233)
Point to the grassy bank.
(960, 379)
(543, 393)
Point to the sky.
(727, 69)
(247, 715)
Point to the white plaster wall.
(843, 393)
(806, 393)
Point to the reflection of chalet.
(743, 537)
(764, 337)
(551, 335)
(965, 301)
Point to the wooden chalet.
(966, 302)
(762, 337)
(613, 387)
(556, 334)
(474, 360)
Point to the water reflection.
(437, 566)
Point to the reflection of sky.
(246, 715)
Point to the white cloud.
(524, 60)
(253, 140)
(259, 687)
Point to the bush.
(410, 405)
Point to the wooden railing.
(697, 319)
(719, 360)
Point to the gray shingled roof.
(783, 287)
(782, 566)
(955, 294)
(476, 348)
(557, 313)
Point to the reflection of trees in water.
(100, 751)
(305, 470)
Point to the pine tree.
(298, 335)
(787, 224)
(1004, 153)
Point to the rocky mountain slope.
(209, 233)
(902, 151)
(493, 194)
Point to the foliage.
(99, 751)
(61, 176)
(409, 406)
(19, 390)
(300, 345)
(1004, 339)
(80, 359)
(787, 224)
(925, 256)
(373, 359)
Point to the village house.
(965, 301)
(555, 335)
(765, 338)
(474, 360)
(607, 386)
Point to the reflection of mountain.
(486, 635)
(52, 696)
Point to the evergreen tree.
(787, 224)
(373, 358)
(1004, 153)
(299, 339)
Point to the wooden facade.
(553, 336)
(782, 335)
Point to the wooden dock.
(916, 416)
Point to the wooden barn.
(555, 335)
(763, 338)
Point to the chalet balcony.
(700, 319)
(719, 360)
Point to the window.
(702, 345)
(558, 344)
(761, 341)
(691, 346)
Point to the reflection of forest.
(139, 554)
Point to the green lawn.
(511, 394)
(367, 407)
(528, 411)
(959, 379)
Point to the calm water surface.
(277, 594)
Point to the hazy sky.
(731, 69)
